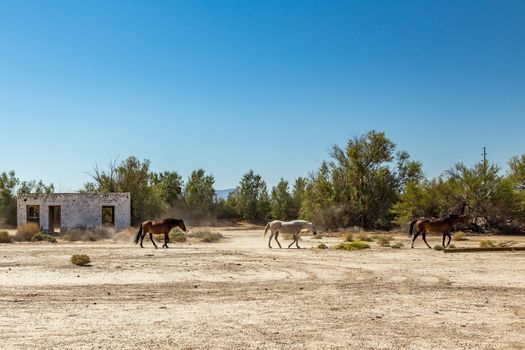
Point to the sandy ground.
(238, 294)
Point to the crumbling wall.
(77, 209)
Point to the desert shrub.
(5, 237)
(486, 243)
(349, 237)
(178, 236)
(317, 236)
(459, 236)
(355, 245)
(397, 245)
(451, 246)
(80, 259)
(40, 237)
(322, 246)
(383, 240)
(438, 247)
(206, 236)
(25, 232)
(364, 237)
(86, 235)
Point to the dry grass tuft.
(206, 236)
(80, 259)
(438, 247)
(87, 235)
(349, 237)
(355, 245)
(383, 240)
(25, 232)
(486, 243)
(322, 246)
(459, 236)
(5, 237)
(43, 237)
(364, 237)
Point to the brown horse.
(158, 228)
(442, 225)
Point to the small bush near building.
(80, 259)
(5, 237)
(25, 232)
(355, 245)
(43, 237)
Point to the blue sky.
(268, 85)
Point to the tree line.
(367, 182)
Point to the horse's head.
(181, 225)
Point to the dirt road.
(238, 294)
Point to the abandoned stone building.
(62, 211)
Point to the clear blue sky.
(269, 85)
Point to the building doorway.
(55, 218)
(108, 216)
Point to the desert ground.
(238, 294)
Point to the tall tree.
(199, 193)
(252, 198)
(281, 204)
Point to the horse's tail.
(266, 228)
(411, 227)
(137, 237)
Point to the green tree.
(282, 206)
(8, 185)
(252, 199)
(199, 194)
(169, 184)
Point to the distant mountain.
(223, 193)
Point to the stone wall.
(77, 209)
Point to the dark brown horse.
(442, 225)
(158, 228)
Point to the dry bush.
(451, 246)
(486, 243)
(383, 240)
(459, 236)
(364, 237)
(127, 235)
(322, 246)
(206, 236)
(349, 237)
(87, 235)
(355, 245)
(178, 236)
(25, 232)
(5, 237)
(80, 259)
(438, 247)
(397, 245)
(43, 237)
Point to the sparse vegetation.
(451, 246)
(80, 259)
(86, 235)
(43, 237)
(397, 245)
(486, 243)
(459, 236)
(322, 246)
(383, 240)
(355, 245)
(349, 237)
(364, 237)
(438, 247)
(178, 236)
(5, 237)
(206, 236)
(25, 232)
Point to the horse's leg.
(413, 239)
(292, 241)
(297, 241)
(152, 241)
(424, 236)
(277, 235)
(142, 239)
(449, 238)
(270, 240)
(444, 235)
(166, 240)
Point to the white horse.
(291, 227)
